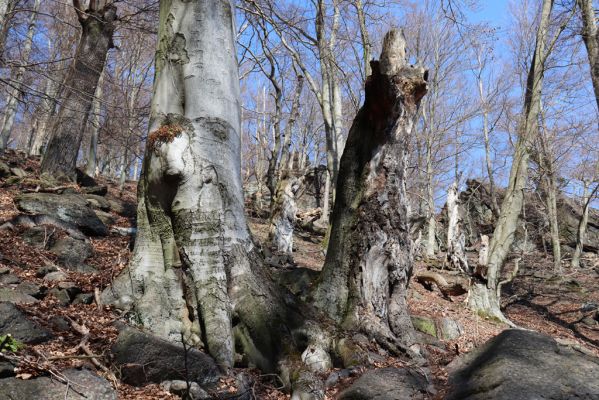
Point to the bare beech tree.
(486, 290)
(98, 24)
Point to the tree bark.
(456, 241)
(369, 259)
(92, 152)
(582, 224)
(283, 218)
(15, 93)
(195, 270)
(484, 296)
(590, 36)
(44, 115)
(67, 132)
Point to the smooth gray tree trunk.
(92, 151)
(195, 272)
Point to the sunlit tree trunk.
(15, 92)
(92, 152)
(590, 36)
(582, 224)
(485, 291)
(369, 259)
(98, 25)
(195, 271)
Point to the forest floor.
(537, 299)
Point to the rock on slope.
(525, 365)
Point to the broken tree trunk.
(283, 216)
(80, 85)
(195, 274)
(369, 259)
(456, 241)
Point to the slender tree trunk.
(96, 39)
(431, 241)
(6, 9)
(487, 139)
(15, 93)
(485, 293)
(194, 265)
(590, 36)
(369, 259)
(582, 225)
(366, 45)
(44, 116)
(92, 152)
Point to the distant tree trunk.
(366, 45)
(6, 8)
(283, 206)
(195, 271)
(44, 115)
(582, 224)
(456, 241)
(283, 217)
(485, 291)
(369, 259)
(590, 36)
(96, 39)
(92, 152)
(15, 93)
(486, 138)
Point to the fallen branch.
(448, 285)
(84, 332)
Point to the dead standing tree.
(369, 259)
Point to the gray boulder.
(72, 252)
(524, 365)
(143, 358)
(83, 384)
(69, 208)
(14, 295)
(387, 384)
(13, 321)
(98, 190)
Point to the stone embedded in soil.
(143, 358)
(72, 252)
(522, 365)
(71, 209)
(98, 190)
(449, 329)
(37, 236)
(180, 388)
(425, 325)
(388, 384)
(56, 276)
(15, 322)
(13, 295)
(9, 279)
(82, 384)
